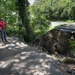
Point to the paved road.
(59, 23)
(17, 58)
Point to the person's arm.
(0, 27)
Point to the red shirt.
(2, 25)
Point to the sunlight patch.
(4, 46)
(14, 41)
(10, 48)
(15, 60)
(23, 52)
(22, 57)
(21, 44)
(12, 44)
(4, 64)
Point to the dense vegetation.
(72, 45)
(44, 11)
(34, 19)
(59, 9)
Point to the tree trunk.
(23, 13)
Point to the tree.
(39, 14)
(59, 9)
(8, 11)
(22, 6)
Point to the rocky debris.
(69, 60)
(71, 72)
(68, 64)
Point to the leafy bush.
(14, 30)
(72, 45)
(11, 30)
(39, 22)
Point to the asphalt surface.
(18, 58)
(61, 23)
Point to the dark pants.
(3, 35)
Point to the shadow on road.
(18, 58)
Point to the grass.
(39, 32)
(69, 21)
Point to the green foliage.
(56, 9)
(39, 22)
(69, 21)
(40, 13)
(22, 7)
(72, 45)
(11, 30)
(14, 30)
(44, 10)
(8, 11)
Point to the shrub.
(72, 45)
(15, 31)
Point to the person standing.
(3, 30)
